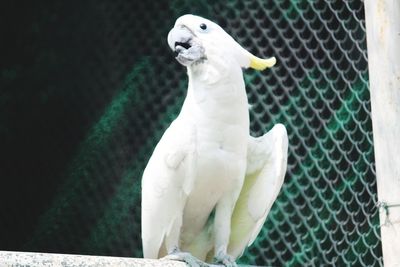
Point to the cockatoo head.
(195, 39)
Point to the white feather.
(266, 167)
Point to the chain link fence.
(124, 88)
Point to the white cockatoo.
(208, 187)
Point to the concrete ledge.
(33, 259)
(30, 259)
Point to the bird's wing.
(266, 167)
(167, 180)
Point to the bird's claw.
(191, 260)
(225, 259)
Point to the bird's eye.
(203, 26)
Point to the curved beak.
(179, 36)
(186, 46)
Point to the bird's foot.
(191, 260)
(225, 259)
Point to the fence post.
(383, 41)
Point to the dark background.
(87, 88)
(61, 65)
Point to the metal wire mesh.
(326, 211)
